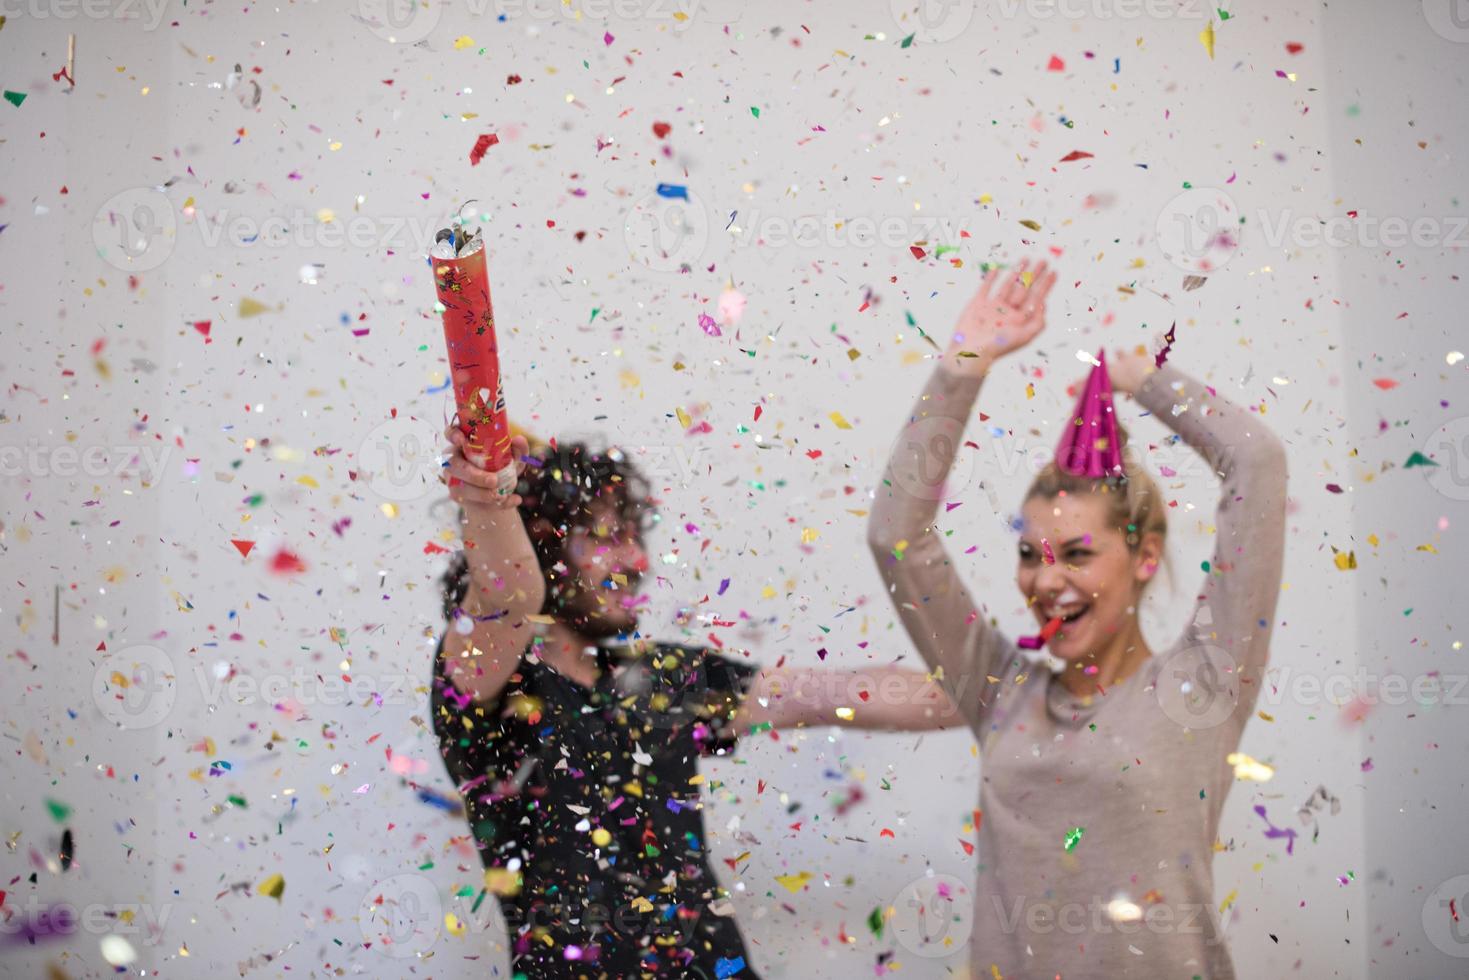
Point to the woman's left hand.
(1128, 369)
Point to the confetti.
(482, 146)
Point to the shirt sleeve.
(726, 683)
(1235, 606)
(947, 626)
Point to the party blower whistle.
(463, 286)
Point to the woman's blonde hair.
(1135, 505)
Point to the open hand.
(1006, 313)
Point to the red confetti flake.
(1056, 64)
(662, 129)
(433, 549)
(1076, 155)
(285, 562)
(887, 833)
(243, 547)
(203, 326)
(1294, 47)
(813, 454)
(1333, 488)
(1385, 384)
(918, 253)
(480, 146)
(968, 847)
(512, 80)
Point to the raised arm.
(506, 584)
(942, 619)
(1235, 609)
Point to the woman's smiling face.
(1093, 570)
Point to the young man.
(575, 741)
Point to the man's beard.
(581, 611)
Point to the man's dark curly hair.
(557, 490)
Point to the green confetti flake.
(874, 921)
(908, 41)
(1073, 837)
(755, 111)
(1418, 459)
(15, 98)
(59, 811)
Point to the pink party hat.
(1091, 445)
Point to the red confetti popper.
(463, 286)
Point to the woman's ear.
(1149, 556)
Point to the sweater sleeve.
(942, 619)
(1235, 608)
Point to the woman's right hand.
(1004, 315)
(474, 487)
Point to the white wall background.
(288, 429)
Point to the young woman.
(1101, 782)
(575, 741)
